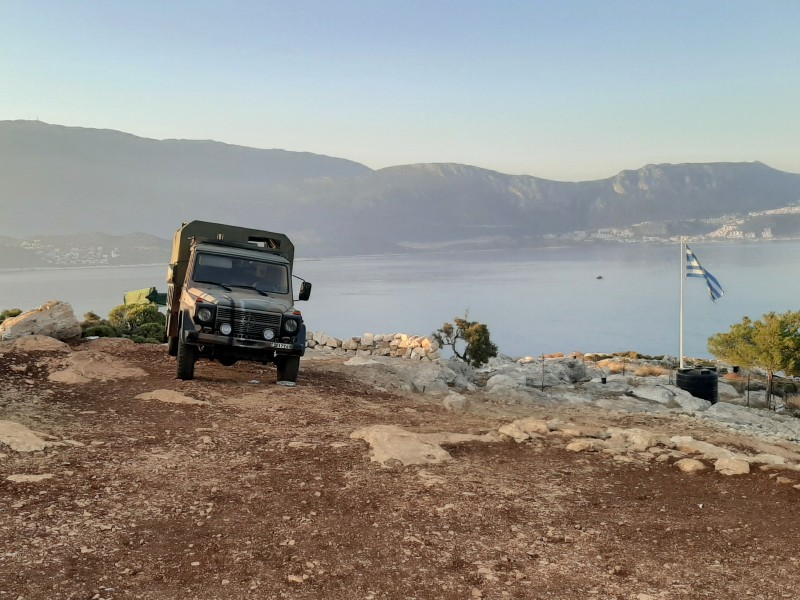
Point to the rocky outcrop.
(398, 345)
(53, 319)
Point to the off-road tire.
(172, 342)
(187, 356)
(288, 368)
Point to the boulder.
(726, 390)
(732, 466)
(586, 445)
(456, 402)
(656, 393)
(53, 319)
(688, 444)
(690, 465)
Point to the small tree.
(772, 343)
(469, 340)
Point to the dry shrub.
(650, 371)
(613, 366)
(792, 401)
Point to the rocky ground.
(119, 481)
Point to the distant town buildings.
(86, 256)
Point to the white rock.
(20, 438)
(456, 403)
(688, 444)
(656, 393)
(726, 390)
(732, 466)
(690, 465)
(54, 319)
(586, 445)
(367, 339)
(393, 443)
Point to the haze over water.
(534, 301)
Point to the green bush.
(141, 323)
(9, 313)
(101, 330)
(154, 331)
(140, 339)
(129, 317)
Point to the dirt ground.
(262, 493)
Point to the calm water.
(533, 300)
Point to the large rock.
(20, 438)
(54, 319)
(392, 443)
(558, 372)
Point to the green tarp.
(145, 296)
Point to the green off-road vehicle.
(230, 299)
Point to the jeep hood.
(242, 299)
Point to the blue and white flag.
(693, 269)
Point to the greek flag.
(693, 269)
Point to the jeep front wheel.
(288, 367)
(187, 356)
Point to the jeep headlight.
(290, 325)
(204, 315)
(225, 329)
(269, 334)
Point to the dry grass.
(650, 371)
(613, 366)
(616, 367)
(792, 401)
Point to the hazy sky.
(568, 90)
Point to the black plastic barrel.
(700, 383)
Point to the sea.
(586, 298)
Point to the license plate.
(281, 346)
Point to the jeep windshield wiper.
(222, 285)
(251, 287)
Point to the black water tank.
(700, 383)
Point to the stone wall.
(400, 345)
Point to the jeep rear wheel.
(288, 367)
(187, 356)
(172, 342)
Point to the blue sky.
(570, 90)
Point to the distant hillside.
(93, 249)
(57, 179)
(73, 180)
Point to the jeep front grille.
(248, 324)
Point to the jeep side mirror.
(305, 291)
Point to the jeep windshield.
(241, 272)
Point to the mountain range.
(57, 180)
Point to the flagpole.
(683, 279)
